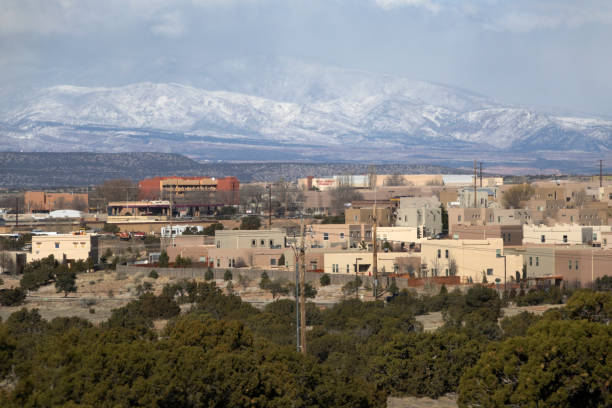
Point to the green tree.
(281, 260)
(210, 230)
(163, 260)
(264, 282)
(227, 276)
(182, 262)
(12, 297)
(65, 280)
(590, 305)
(153, 274)
(558, 364)
(110, 228)
(251, 222)
(209, 274)
(325, 280)
(444, 219)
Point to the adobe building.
(340, 236)
(473, 260)
(511, 235)
(41, 201)
(65, 247)
(226, 189)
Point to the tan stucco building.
(64, 247)
(243, 239)
(474, 259)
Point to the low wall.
(253, 274)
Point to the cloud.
(517, 16)
(169, 24)
(426, 4)
(523, 17)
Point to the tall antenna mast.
(600, 173)
(302, 286)
(475, 177)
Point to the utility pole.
(480, 174)
(16, 213)
(475, 176)
(302, 287)
(296, 254)
(269, 206)
(171, 212)
(600, 173)
(374, 253)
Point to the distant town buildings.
(41, 201)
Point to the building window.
(57, 244)
(218, 244)
(509, 237)
(530, 261)
(326, 236)
(348, 268)
(342, 235)
(489, 271)
(262, 242)
(565, 238)
(439, 253)
(253, 243)
(569, 264)
(576, 264)
(271, 243)
(458, 218)
(218, 262)
(446, 253)
(537, 261)
(542, 238)
(446, 271)
(272, 261)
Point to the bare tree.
(580, 198)
(79, 204)
(395, 180)
(60, 204)
(7, 265)
(342, 195)
(452, 266)
(252, 197)
(515, 194)
(114, 190)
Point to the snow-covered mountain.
(286, 106)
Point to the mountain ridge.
(301, 110)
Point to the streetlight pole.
(356, 277)
(505, 280)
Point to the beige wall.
(245, 257)
(512, 235)
(344, 262)
(65, 246)
(397, 234)
(242, 239)
(582, 266)
(473, 257)
(557, 234)
(384, 216)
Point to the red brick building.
(157, 188)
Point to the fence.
(254, 274)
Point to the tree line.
(225, 352)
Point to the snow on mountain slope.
(288, 103)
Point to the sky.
(548, 54)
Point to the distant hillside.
(44, 170)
